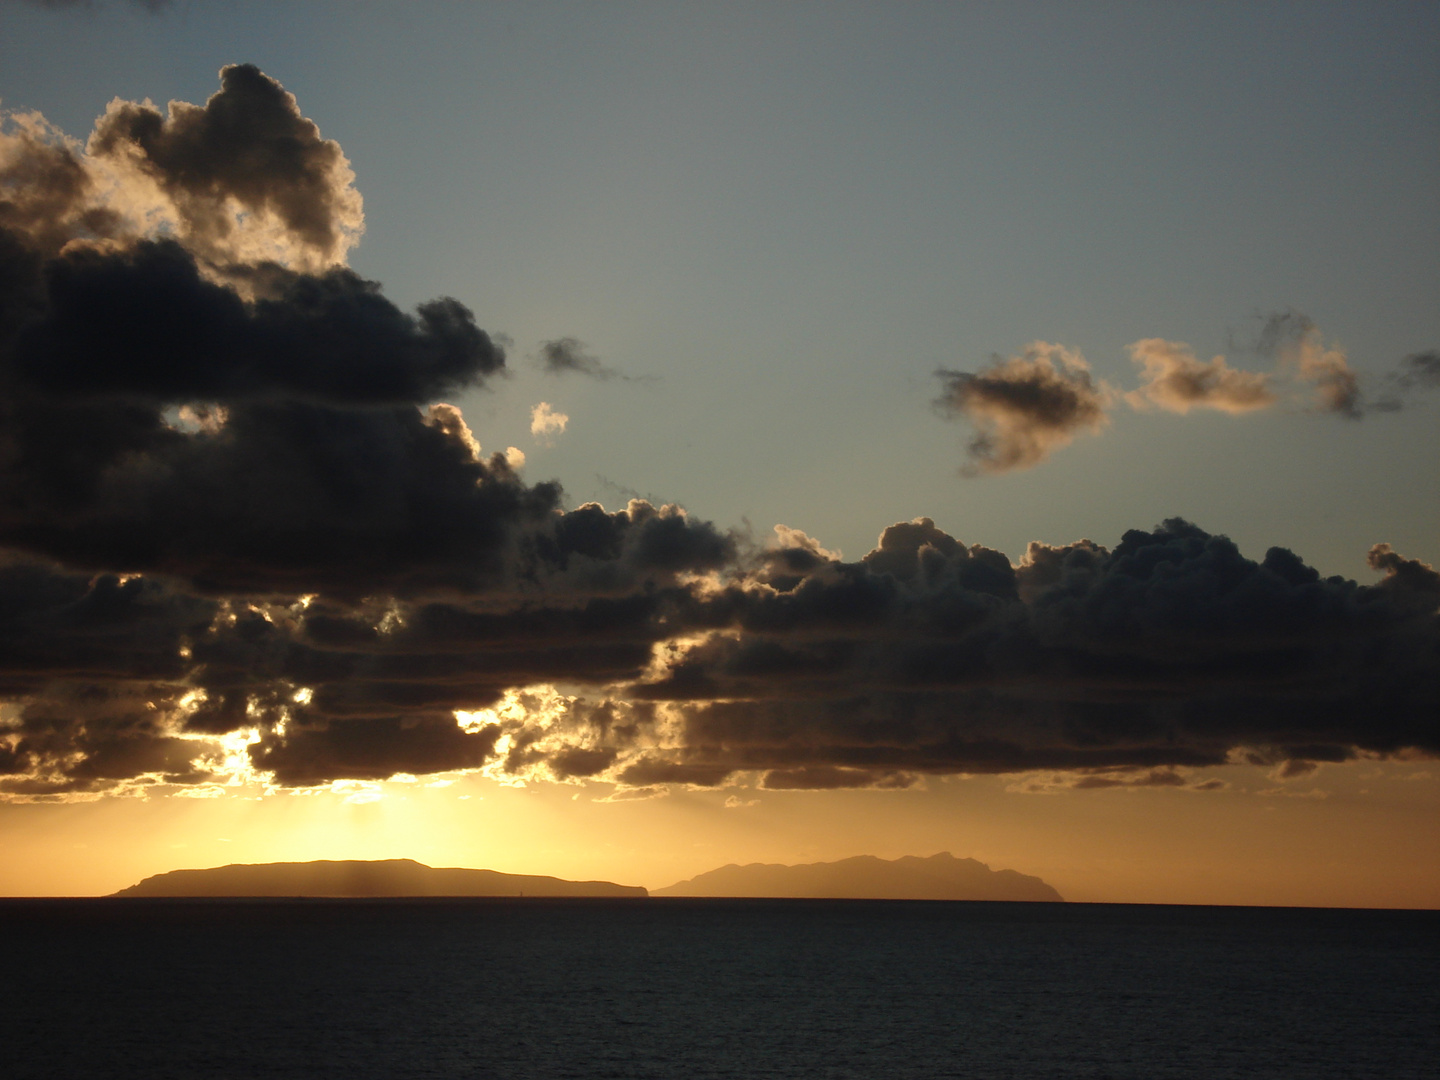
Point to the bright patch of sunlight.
(357, 792)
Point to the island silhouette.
(865, 877)
(360, 878)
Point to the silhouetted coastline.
(382, 878)
(865, 877)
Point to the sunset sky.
(617, 440)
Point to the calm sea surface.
(742, 989)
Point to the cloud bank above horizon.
(245, 540)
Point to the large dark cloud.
(91, 667)
(145, 324)
(1171, 649)
(240, 537)
(153, 420)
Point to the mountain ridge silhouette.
(363, 878)
(866, 877)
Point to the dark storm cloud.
(240, 538)
(1170, 650)
(283, 497)
(101, 672)
(91, 666)
(330, 562)
(649, 771)
(91, 739)
(263, 429)
(71, 626)
(372, 748)
(144, 324)
(1024, 407)
(928, 657)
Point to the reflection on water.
(713, 989)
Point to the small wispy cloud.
(571, 356)
(1177, 381)
(1294, 340)
(1059, 781)
(1024, 407)
(1417, 371)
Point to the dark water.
(712, 988)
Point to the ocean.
(742, 989)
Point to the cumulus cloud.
(47, 186)
(248, 177)
(1411, 576)
(1121, 667)
(249, 454)
(1176, 381)
(314, 479)
(1024, 407)
(245, 538)
(1169, 651)
(243, 179)
(547, 422)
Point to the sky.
(614, 441)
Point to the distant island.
(940, 877)
(865, 877)
(382, 878)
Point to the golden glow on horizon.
(1360, 834)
